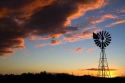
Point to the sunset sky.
(56, 35)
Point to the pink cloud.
(122, 10)
(87, 34)
(116, 23)
(94, 20)
(40, 45)
(71, 39)
(55, 42)
(78, 50)
(56, 35)
(45, 38)
(38, 38)
(82, 9)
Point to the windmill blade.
(108, 42)
(108, 39)
(104, 44)
(107, 33)
(99, 45)
(97, 42)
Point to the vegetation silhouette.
(44, 76)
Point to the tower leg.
(103, 69)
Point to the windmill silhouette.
(102, 39)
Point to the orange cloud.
(116, 23)
(30, 8)
(71, 39)
(3, 12)
(25, 8)
(83, 8)
(56, 35)
(78, 50)
(33, 38)
(102, 18)
(21, 43)
(85, 35)
(45, 38)
(6, 51)
(77, 36)
(55, 42)
(40, 45)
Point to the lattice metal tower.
(102, 39)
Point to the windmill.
(102, 39)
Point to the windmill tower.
(102, 39)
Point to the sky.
(56, 35)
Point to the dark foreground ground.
(43, 76)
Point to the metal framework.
(102, 39)
(103, 69)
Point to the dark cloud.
(14, 4)
(11, 36)
(23, 18)
(53, 17)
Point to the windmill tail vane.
(102, 39)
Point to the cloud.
(11, 36)
(56, 35)
(47, 37)
(83, 8)
(116, 23)
(21, 9)
(71, 39)
(39, 38)
(50, 20)
(24, 18)
(95, 69)
(78, 50)
(77, 36)
(86, 34)
(55, 42)
(96, 20)
(40, 45)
